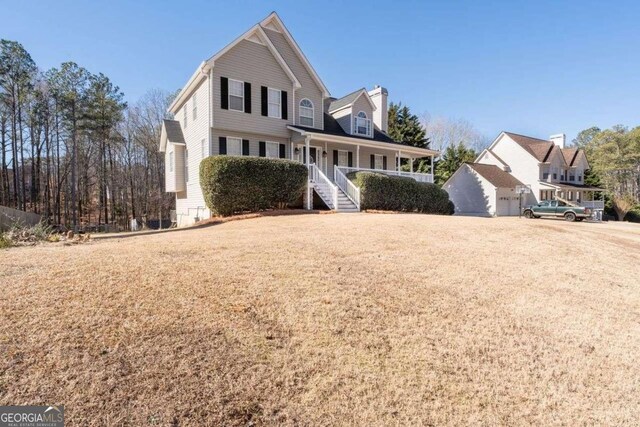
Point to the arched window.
(306, 112)
(362, 125)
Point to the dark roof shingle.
(345, 100)
(174, 131)
(496, 176)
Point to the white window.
(236, 95)
(186, 165)
(275, 100)
(184, 118)
(343, 158)
(272, 149)
(203, 149)
(194, 105)
(362, 125)
(234, 146)
(171, 161)
(306, 112)
(378, 162)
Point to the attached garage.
(484, 190)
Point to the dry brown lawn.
(350, 319)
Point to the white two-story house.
(547, 168)
(260, 96)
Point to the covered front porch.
(330, 158)
(328, 153)
(580, 195)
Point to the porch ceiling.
(319, 135)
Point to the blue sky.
(535, 68)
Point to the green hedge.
(395, 193)
(233, 184)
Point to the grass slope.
(352, 319)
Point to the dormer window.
(362, 124)
(306, 112)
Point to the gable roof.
(542, 149)
(496, 176)
(171, 132)
(255, 33)
(332, 127)
(538, 148)
(272, 19)
(350, 99)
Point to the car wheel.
(570, 216)
(528, 214)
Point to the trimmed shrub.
(396, 193)
(233, 184)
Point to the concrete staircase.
(326, 194)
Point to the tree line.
(72, 150)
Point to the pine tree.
(452, 158)
(406, 127)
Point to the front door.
(315, 157)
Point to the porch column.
(309, 188)
(357, 156)
(432, 165)
(411, 164)
(291, 153)
(324, 159)
(398, 165)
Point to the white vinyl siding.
(171, 161)
(275, 101)
(203, 148)
(184, 115)
(306, 112)
(234, 146)
(236, 95)
(378, 161)
(194, 106)
(186, 165)
(272, 150)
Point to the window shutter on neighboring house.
(284, 104)
(262, 149)
(264, 100)
(283, 149)
(247, 97)
(224, 93)
(335, 157)
(350, 159)
(384, 162)
(245, 147)
(223, 145)
(373, 161)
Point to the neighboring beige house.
(260, 96)
(550, 170)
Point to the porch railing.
(318, 178)
(347, 187)
(420, 177)
(593, 204)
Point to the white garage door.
(507, 205)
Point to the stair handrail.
(347, 187)
(318, 176)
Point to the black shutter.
(262, 150)
(335, 157)
(247, 97)
(245, 147)
(284, 105)
(384, 162)
(350, 159)
(264, 100)
(224, 94)
(283, 153)
(223, 145)
(373, 161)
